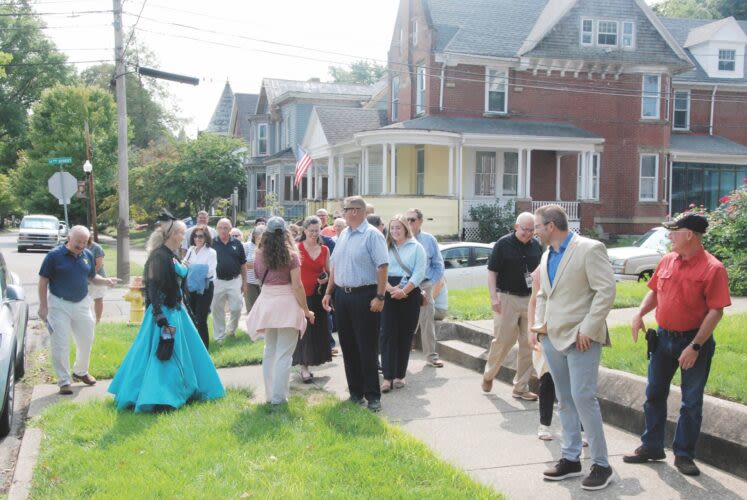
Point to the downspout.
(441, 97)
(713, 103)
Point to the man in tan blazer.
(577, 290)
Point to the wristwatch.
(696, 347)
(380, 296)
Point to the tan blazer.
(581, 296)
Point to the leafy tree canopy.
(36, 65)
(56, 130)
(365, 72)
(702, 9)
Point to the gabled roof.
(551, 14)
(339, 124)
(244, 105)
(680, 30)
(705, 145)
(706, 32)
(276, 88)
(490, 126)
(222, 114)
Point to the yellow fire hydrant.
(135, 297)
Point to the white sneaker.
(544, 433)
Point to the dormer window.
(607, 33)
(727, 60)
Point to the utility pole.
(91, 190)
(123, 220)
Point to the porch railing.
(570, 207)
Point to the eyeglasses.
(346, 209)
(200, 236)
(412, 219)
(537, 226)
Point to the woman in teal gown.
(143, 381)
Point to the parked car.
(14, 313)
(639, 261)
(41, 231)
(466, 264)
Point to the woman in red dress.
(313, 349)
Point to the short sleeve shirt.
(67, 273)
(358, 255)
(511, 260)
(274, 276)
(687, 289)
(230, 257)
(97, 252)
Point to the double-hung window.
(649, 177)
(628, 35)
(420, 171)
(395, 97)
(650, 96)
(592, 187)
(607, 33)
(420, 90)
(414, 32)
(261, 139)
(727, 60)
(496, 86)
(681, 110)
(485, 173)
(587, 32)
(510, 173)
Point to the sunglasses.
(412, 219)
(200, 236)
(347, 209)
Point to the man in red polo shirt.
(689, 290)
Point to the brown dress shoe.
(66, 390)
(487, 385)
(86, 379)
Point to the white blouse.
(205, 256)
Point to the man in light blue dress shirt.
(358, 275)
(434, 271)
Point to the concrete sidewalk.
(491, 436)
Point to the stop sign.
(63, 186)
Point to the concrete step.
(621, 395)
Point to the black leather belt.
(523, 294)
(676, 335)
(354, 289)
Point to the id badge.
(528, 279)
(404, 281)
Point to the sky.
(240, 41)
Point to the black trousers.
(358, 331)
(546, 398)
(200, 305)
(400, 319)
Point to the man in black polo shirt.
(230, 281)
(514, 258)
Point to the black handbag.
(166, 343)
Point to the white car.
(639, 261)
(466, 264)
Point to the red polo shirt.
(687, 289)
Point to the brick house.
(601, 106)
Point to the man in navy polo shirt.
(65, 305)
(230, 281)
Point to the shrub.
(493, 221)
(727, 237)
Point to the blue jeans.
(661, 369)
(575, 374)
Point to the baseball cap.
(688, 220)
(276, 224)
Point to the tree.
(36, 65)
(702, 9)
(365, 72)
(56, 129)
(8, 201)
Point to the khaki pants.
(226, 291)
(70, 319)
(427, 323)
(508, 327)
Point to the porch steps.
(723, 438)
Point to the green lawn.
(474, 303)
(728, 369)
(110, 262)
(114, 339)
(231, 448)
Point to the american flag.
(302, 165)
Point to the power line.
(132, 30)
(67, 14)
(81, 26)
(53, 63)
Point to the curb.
(20, 487)
(723, 436)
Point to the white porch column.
(393, 171)
(451, 171)
(557, 176)
(384, 150)
(341, 176)
(529, 174)
(521, 181)
(460, 191)
(330, 176)
(364, 174)
(309, 176)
